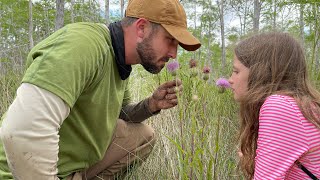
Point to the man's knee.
(149, 134)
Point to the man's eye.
(171, 39)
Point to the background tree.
(121, 8)
(256, 15)
(59, 14)
(71, 11)
(30, 25)
(223, 46)
(241, 9)
(107, 12)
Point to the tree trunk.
(59, 14)
(107, 12)
(274, 14)
(71, 11)
(301, 23)
(1, 40)
(223, 47)
(245, 18)
(195, 25)
(317, 54)
(316, 43)
(256, 15)
(121, 7)
(30, 25)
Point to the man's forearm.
(29, 133)
(137, 112)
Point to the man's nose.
(173, 52)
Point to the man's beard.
(147, 56)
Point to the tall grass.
(197, 138)
(10, 78)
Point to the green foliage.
(233, 38)
(14, 21)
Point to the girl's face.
(239, 79)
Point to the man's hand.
(165, 96)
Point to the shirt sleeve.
(281, 138)
(29, 133)
(137, 112)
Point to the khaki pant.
(132, 143)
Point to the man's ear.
(142, 28)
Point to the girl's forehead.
(236, 61)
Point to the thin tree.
(274, 24)
(30, 25)
(195, 25)
(223, 46)
(121, 7)
(107, 11)
(59, 14)
(242, 10)
(301, 23)
(316, 44)
(256, 15)
(246, 7)
(71, 11)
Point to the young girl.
(279, 109)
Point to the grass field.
(196, 139)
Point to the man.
(72, 117)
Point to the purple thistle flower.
(223, 83)
(172, 67)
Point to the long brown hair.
(277, 65)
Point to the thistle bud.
(192, 63)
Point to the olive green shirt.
(77, 64)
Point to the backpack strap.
(304, 169)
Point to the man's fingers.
(170, 84)
(171, 96)
(169, 103)
(174, 89)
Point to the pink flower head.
(172, 67)
(206, 70)
(192, 63)
(223, 83)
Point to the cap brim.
(186, 40)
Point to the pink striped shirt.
(285, 135)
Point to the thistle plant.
(173, 67)
(206, 71)
(192, 63)
(222, 84)
(193, 68)
(198, 129)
